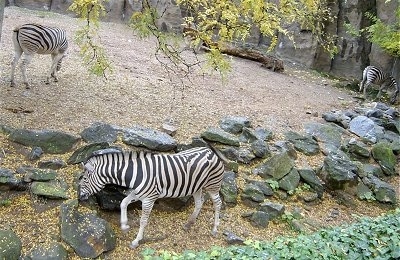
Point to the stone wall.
(355, 53)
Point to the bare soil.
(141, 92)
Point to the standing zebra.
(29, 39)
(151, 176)
(374, 75)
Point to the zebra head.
(88, 183)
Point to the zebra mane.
(133, 154)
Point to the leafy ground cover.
(368, 238)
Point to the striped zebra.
(29, 39)
(151, 176)
(374, 75)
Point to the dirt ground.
(141, 92)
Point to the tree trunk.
(2, 5)
(267, 61)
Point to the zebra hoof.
(133, 245)
(125, 228)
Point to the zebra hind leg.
(26, 59)
(216, 199)
(198, 203)
(14, 63)
(147, 206)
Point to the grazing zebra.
(374, 75)
(29, 39)
(151, 176)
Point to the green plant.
(273, 184)
(377, 238)
(5, 203)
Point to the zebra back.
(377, 76)
(36, 38)
(155, 175)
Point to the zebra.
(374, 75)
(151, 176)
(29, 39)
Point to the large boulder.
(146, 137)
(10, 245)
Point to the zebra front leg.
(147, 206)
(124, 208)
(198, 203)
(55, 66)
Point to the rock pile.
(360, 150)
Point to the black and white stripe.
(29, 39)
(374, 75)
(151, 176)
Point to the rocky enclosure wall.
(355, 53)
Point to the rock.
(55, 164)
(52, 251)
(371, 169)
(364, 193)
(303, 144)
(384, 156)
(151, 139)
(169, 128)
(329, 136)
(276, 167)
(310, 177)
(252, 193)
(365, 128)
(383, 191)
(81, 154)
(337, 117)
(260, 219)
(339, 172)
(229, 189)
(111, 197)
(260, 149)
(54, 142)
(10, 245)
(39, 174)
(233, 239)
(357, 148)
(100, 132)
(87, 234)
(234, 124)
(241, 155)
(51, 189)
(273, 210)
(264, 187)
(218, 135)
(35, 153)
(8, 181)
(285, 146)
(290, 181)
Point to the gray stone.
(329, 136)
(364, 193)
(218, 135)
(371, 169)
(260, 219)
(242, 155)
(310, 177)
(290, 181)
(357, 148)
(51, 189)
(8, 181)
(54, 164)
(252, 193)
(233, 239)
(384, 156)
(39, 174)
(87, 234)
(260, 149)
(264, 187)
(303, 144)
(52, 251)
(35, 153)
(10, 245)
(383, 191)
(365, 128)
(81, 154)
(337, 117)
(339, 172)
(146, 137)
(100, 132)
(50, 141)
(274, 210)
(234, 124)
(276, 167)
(229, 189)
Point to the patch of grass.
(377, 238)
